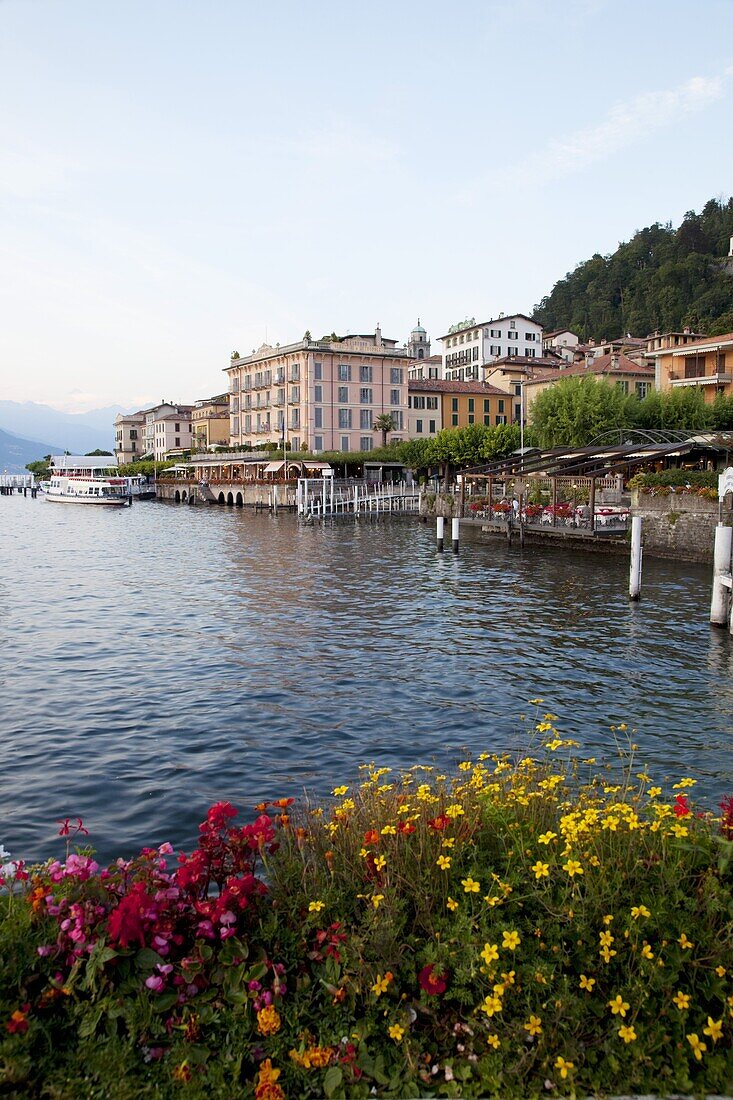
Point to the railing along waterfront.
(320, 498)
(564, 516)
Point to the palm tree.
(384, 424)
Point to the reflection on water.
(161, 657)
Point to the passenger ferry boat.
(87, 479)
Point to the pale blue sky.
(178, 179)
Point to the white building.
(562, 342)
(469, 346)
(152, 433)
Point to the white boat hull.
(60, 498)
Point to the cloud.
(624, 125)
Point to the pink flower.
(155, 982)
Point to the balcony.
(678, 380)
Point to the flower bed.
(522, 927)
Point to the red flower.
(726, 825)
(371, 837)
(18, 1023)
(439, 823)
(126, 923)
(681, 807)
(433, 979)
(406, 827)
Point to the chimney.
(615, 360)
(588, 359)
(378, 336)
(730, 250)
(687, 330)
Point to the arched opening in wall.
(230, 498)
(177, 497)
(240, 500)
(220, 499)
(183, 496)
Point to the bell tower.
(418, 346)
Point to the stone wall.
(678, 525)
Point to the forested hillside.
(663, 278)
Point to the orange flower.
(266, 1087)
(268, 1021)
(371, 836)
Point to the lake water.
(158, 658)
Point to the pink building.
(329, 393)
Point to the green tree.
(384, 424)
(575, 410)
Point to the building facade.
(468, 346)
(706, 364)
(561, 342)
(418, 346)
(153, 432)
(210, 420)
(426, 368)
(632, 378)
(319, 395)
(436, 404)
(512, 373)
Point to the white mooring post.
(455, 533)
(636, 555)
(720, 601)
(440, 525)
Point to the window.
(496, 333)
(344, 442)
(294, 373)
(512, 324)
(432, 372)
(643, 388)
(178, 441)
(296, 443)
(395, 397)
(418, 427)
(318, 393)
(471, 404)
(247, 424)
(365, 374)
(418, 402)
(530, 337)
(295, 394)
(500, 420)
(365, 419)
(395, 376)
(366, 443)
(343, 394)
(365, 397)
(133, 433)
(454, 420)
(454, 404)
(295, 418)
(512, 336)
(432, 403)
(234, 406)
(178, 427)
(432, 426)
(500, 403)
(517, 413)
(133, 446)
(344, 418)
(623, 386)
(471, 418)
(511, 352)
(487, 420)
(475, 353)
(318, 417)
(318, 370)
(530, 353)
(495, 349)
(344, 372)
(318, 442)
(518, 389)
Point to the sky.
(179, 179)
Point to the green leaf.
(146, 959)
(332, 1080)
(90, 1022)
(165, 1001)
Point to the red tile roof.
(605, 365)
(436, 385)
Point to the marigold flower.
(508, 977)
(714, 1029)
(618, 1006)
(266, 1087)
(490, 953)
(389, 830)
(533, 1025)
(443, 862)
(654, 792)
(371, 836)
(563, 1066)
(511, 940)
(381, 984)
(268, 1020)
(541, 870)
(627, 1033)
(698, 1047)
(396, 1032)
(587, 983)
(470, 886)
(681, 1000)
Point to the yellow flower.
(682, 1000)
(511, 940)
(684, 783)
(389, 830)
(456, 810)
(639, 911)
(508, 977)
(377, 900)
(533, 1025)
(587, 983)
(606, 939)
(338, 791)
(452, 904)
(470, 886)
(607, 954)
(714, 1029)
(490, 953)
(448, 842)
(618, 1006)
(627, 1033)
(563, 1066)
(698, 1047)
(684, 943)
(546, 838)
(380, 863)
(572, 867)
(268, 1021)
(720, 971)
(443, 862)
(316, 906)
(608, 919)
(541, 870)
(396, 1032)
(679, 830)
(493, 1040)
(381, 984)
(491, 1005)
(653, 792)
(552, 745)
(646, 951)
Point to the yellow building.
(210, 421)
(458, 404)
(706, 364)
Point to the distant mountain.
(78, 433)
(16, 452)
(663, 278)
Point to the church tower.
(418, 346)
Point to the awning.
(317, 466)
(274, 467)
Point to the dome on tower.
(418, 329)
